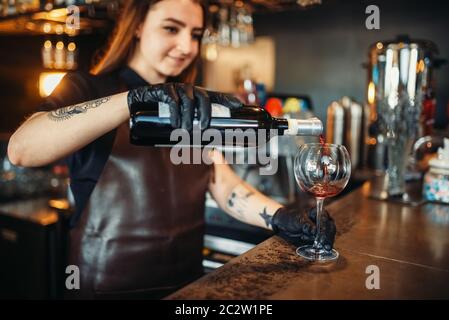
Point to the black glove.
(300, 228)
(183, 100)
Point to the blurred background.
(318, 49)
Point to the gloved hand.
(183, 99)
(300, 227)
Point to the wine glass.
(322, 170)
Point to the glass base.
(320, 255)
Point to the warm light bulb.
(60, 45)
(47, 44)
(71, 46)
(59, 29)
(48, 82)
(47, 27)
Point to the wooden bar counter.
(408, 245)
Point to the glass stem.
(319, 209)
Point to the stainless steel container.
(399, 80)
(345, 126)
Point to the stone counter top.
(407, 247)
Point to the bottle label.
(218, 111)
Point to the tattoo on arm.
(266, 217)
(250, 206)
(68, 112)
(234, 198)
(237, 203)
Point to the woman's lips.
(177, 60)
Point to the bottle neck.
(303, 127)
(281, 125)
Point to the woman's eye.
(171, 29)
(197, 36)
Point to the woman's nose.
(185, 44)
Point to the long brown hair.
(123, 41)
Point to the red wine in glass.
(326, 190)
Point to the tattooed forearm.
(68, 112)
(237, 202)
(266, 217)
(250, 206)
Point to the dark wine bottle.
(248, 126)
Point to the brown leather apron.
(141, 234)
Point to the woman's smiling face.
(170, 36)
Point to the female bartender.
(138, 226)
